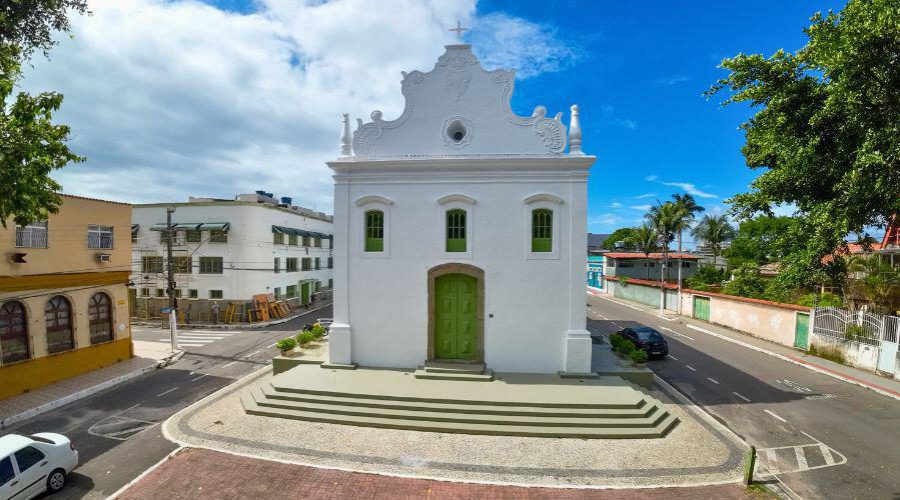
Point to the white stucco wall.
(247, 257)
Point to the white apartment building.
(227, 251)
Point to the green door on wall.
(304, 293)
(455, 306)
(701, 308)
(801, 334)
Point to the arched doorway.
(100, 318)
(456, 313)
(58, 317)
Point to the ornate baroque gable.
(459, 109)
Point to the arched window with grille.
(456, 230)
(374, 231)
(60, 332)
(542, 230)
(13, 332)
(100, 318)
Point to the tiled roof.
(654, 255)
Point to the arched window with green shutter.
(374, 231)
(456, 230)
(542, 230)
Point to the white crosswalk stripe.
(192, 338)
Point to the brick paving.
(71, 388)
(200, 473)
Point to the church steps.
(542, 430)
(642, 410)
(438, 415)
(439, 367)
(300, 389)
(465, 375)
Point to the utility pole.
(170, 276)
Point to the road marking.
(665, 318)
(673, 357)
(190, 344)
(745, 398)
(770, 412)
(691, 368)
(801, 458)
(620, 326)
(271, 345)
(229, 364)
(252, 354)
(196, 341)
(164, 393)
(211, 338)
(712, 380)
(676, 333)
(826, 454)
(198, 378)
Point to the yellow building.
(64, 294)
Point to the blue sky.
(162, 92)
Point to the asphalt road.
(117, 431)
(822, 437)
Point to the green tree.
(667, 218)
(713, 230)
(826, 132)
(31, 145)
(746, 283)
(876, 280)
(646, 240)
(688, 208)
(760, 240)
(622, 234)
(706, 275)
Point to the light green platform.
(540, 405)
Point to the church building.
(460, 230)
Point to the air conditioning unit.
(17, 258)
(103, 257)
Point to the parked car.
(31, 465)
(647, 339)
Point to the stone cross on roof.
(459, 30)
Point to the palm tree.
(689, 207)
(714, 230)
(877, 280)
(666, 218)
(645, 239)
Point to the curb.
(234, 326)
(171, 360)
(75, 396)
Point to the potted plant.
(286, 345)
(318, 331)
(304, 338)
(638, 356)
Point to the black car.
(647, 339)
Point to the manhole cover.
(120, 428)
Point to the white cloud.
(615, 204)
(645, 195)
(689, 188)
(642, 208)
(171, 98)
(503, 41)
(672, 80)
(651, 178)
(625, 123)
(604, 220)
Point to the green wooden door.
(701, 308)
(455, 304)
(801, 334)
(304, 293)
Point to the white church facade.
(460, 230)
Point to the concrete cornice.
(560, 162)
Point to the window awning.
(291, 231)
(193, 226)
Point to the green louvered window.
(542, 230)
(374, 231)
(456, 230)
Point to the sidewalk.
(199, 473)
(24, 406)
(232, 326)
(883, 385)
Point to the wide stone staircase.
(538, 405)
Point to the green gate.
(304, 293)
(455, 305)
(701, 308)
(801, 334)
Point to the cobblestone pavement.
(199, 473)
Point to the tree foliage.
(31, 145)
(622, 234)
(705, 276)
(746, 283)
(761, 240)
(826, 133)
(713, 230)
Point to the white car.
(31, 465)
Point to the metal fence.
(855, 326)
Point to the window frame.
(277, 238)
(193, 236)
(31, 230)
(373, 221)
(220, 292)
(291, 265)
(218, 236)
(96, 321)
(102, 236)
(178, 266)
(145, 269)
(7, 316)
(543, 202)
(276, 265)
(358, 226)
(205, 269)
(450, 203)
(58, 313)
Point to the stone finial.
(575, 133)
(346, 149)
